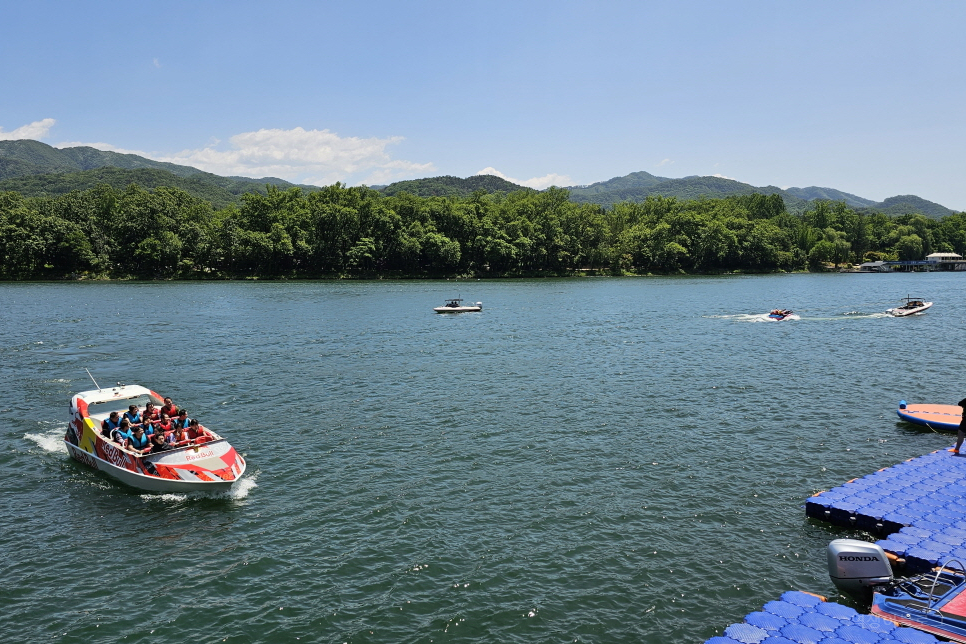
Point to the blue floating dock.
(913, 504)
(800, 618)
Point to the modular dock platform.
(915, 505)
(800, 618)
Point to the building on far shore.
(933, 262)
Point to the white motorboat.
(456, 306)
(910, 306)
(206, 463)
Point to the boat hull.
(922, 623)
(900, 312)
(146, 482)
(945, 417)
(932, 603)
(458, 309)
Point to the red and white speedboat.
(208, 464)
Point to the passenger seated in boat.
(169, 408)
(110, 423)
(164, 425)
(133, 415)
(151, 412)
(138, 442)
(147, 424)
(159, 441)
(178, 437)
(197, 433)
(182, 420)
(122, 433)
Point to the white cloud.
(319, 157)
(538, 183)
(36, 130)
(721, 176)
(157, 63)
(665, 162)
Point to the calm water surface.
(587, 460)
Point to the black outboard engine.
(857, 567)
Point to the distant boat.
(456, 306)
(912, 306)
(777, 315)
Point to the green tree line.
(339, 231)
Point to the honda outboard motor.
(856, 567)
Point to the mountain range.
(637, 186)
(33, 168)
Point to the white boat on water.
(911, 306)
(208, 463)
(456, 306)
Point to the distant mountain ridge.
(638, 186)
(449, 186)
(34, 168)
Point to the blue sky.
(867, 97)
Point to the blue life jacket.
(109, 424)
(177, 423)
(137, 443)
(117, 435)
(135, 419)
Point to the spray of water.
(51, 441)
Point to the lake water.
(587, 460)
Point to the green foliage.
(167, 232)
(220, 191)
(449, 186)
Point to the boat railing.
(932, 591)
(213, 438)
(183, 448)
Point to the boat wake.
(860, 315)
(752, 317)
(239, 491)
(764, 317)
(853, 315)
(51, 441)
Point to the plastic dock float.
(800, 618)
(914, 504)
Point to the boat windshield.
(120, 405)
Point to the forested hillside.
(220, 191)
(638, 186)
(59, 160)
(359, 232)
(36, 169)
(451, 186)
